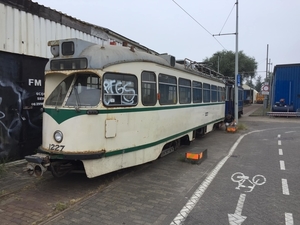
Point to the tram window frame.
(228, 93)
(68, 48)
(86, 91)
(214, 93)
(59, 93)
(184, 86)
(93, 82)
(148, 88)
(197, 92)
(167, 85)
(222, 94)
(206, 92)
(111, 97)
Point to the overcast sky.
(163, 25)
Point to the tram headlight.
(58, 136)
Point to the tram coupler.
(37, 164)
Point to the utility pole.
(236, 88)
(267, 67)
(266, 80)
(218, 63)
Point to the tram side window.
(214, 93)
(229, 93)
(197, 92)
(149, 96)
(119, 89)
(184, 91)
(232, 94)
(206, 92)
(221, 94)
(167, 89)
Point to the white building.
(249, 92)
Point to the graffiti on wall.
(22, 95)
(19, 117)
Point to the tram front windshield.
(77, 90)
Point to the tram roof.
(104, 56)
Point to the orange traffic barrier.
(196, 157)
(231, 128)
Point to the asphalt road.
(259, 183)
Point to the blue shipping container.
(285, 91)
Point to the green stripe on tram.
(62, 114)
(165, 140)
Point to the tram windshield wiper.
(56, 102)
(77, 98)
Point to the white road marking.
(287, 132)
(237, 218)
(240, 178)
(280, 151)
(185, 211)
(289, 219)
(285, 187)
(279, 142)
(282, 165)
(278, 135)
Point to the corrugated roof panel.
(16, 30)
(25, 33)
(27, 27)
(2, 25)
(8, 42)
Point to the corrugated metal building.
(26, 27)
(285, 85)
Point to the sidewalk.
(254, 110)
(13, 178)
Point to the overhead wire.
(198, 23)
(227, 18)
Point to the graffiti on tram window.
(119, 92)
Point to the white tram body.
(112, 107)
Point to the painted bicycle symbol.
(245, 182)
